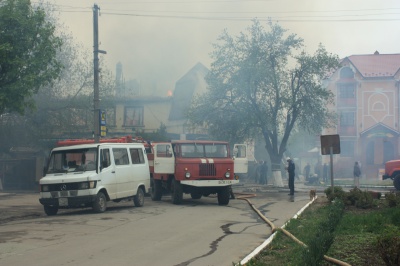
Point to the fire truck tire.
(195, 195)
(177, 192)
(50, 210)
(100, 203)
(396, 182)
(138, 199)
(223, 196)
(155, 189)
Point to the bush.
(392, 199)
(337, 193)
(355, 197)
(388, 245)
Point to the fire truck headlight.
(187, 175)
(227, 175)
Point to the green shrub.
(392, 199)
(337, 193)
(358, 198)
(365, 201)
(388, 245)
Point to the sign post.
(330, 144)
(102, 122)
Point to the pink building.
(366, 89)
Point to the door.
(164, 160)
(240, 160)
(107, 173)
(123, 173)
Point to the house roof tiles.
(376, 65)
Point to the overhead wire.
(225, 15)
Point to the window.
(73, 160)
(192, 150)
(110, 116)
(164, 150)
(347, 119)
(346, 73)
(105, 158)
(133, 116)
(137, 156)
(347, 149)
(120, 156)
(216, 150)
(346, 90)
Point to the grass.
(354, 237)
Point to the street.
(198, 232)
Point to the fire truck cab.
(198, 168)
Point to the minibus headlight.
(45, 188)
(87, 185)
(83, 185)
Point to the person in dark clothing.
(357, 174)
(263, 173)
(290, 168)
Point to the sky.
(159, 41)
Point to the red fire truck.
(195, 167)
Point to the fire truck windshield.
(194, 150)
(74, 160)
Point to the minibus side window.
(105, 158)
(121, 156)
(136, 155)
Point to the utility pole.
(96, 51)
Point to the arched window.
(346, 73)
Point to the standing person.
(325, 173)
(263, 173)
(307, 170)
(357, 174)
(290, 168)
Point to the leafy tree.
(63, 109)
(263, 82)
(28, 49)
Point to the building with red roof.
(366, 88)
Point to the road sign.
(328, 141)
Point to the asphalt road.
(198, 232)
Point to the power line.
(266, 15)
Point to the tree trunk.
(276, 173)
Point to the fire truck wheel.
(100, 203)
(195, 195)
(155, 189)
(177, 193)
(50, 210)
(396, 182)
(223, 196)
(138, 199)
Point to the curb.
(271, 237)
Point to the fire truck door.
(240, 158)
(164, 160)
